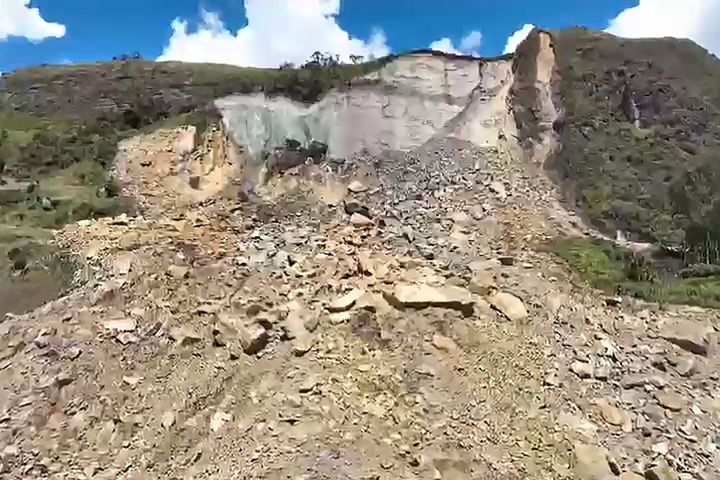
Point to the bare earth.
(287, 339)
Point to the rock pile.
(244, 341)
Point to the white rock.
(346, 301)
(360, 219)
(509, 305)
(357, 187)
(121, 325)
(407, 295)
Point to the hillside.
(640, 137)
(224, 273)
(59, 131)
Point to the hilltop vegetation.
(59, 130)
(640, 137)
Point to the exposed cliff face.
(534, 106)
(402, 106)
(409, 101)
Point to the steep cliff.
(413, 98)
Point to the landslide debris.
(279, 335)
(217, 343)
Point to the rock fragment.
(178, 272)
(630, 476)
(347, 301)
(126, 338)
(358, 219)
(482, 283)
(498, 189)
(591, 463)
(670, 400)
(121, 325)
(509, 305)
(441, 342)
(218, 421)
(253, 338)
(185, 335)
(250, 333)
(357, 187)
(168, 419)
(296, 329)
(661, 471)
(640, 380)
(610, 413)
(690, 335)
(423, 296)
(582, 369)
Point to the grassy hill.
(640, 152)
(654, 172)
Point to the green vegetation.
(54, 172)
(660, 181)
(607, 267)
(59, 130)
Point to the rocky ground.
(414, 330)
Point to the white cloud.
(471, 42)
(469, 45)
(517, 37)
(444, 45)
(277, 31)
(18, 19)
(693, 19)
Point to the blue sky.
(207, 30)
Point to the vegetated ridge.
(640, 137)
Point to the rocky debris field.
(414, 330)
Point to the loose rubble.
(278, 338)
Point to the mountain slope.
(640, 135)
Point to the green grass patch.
(616, 271)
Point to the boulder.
(253, 338)
(509, 305)
(690, 335)
(482, 283)
(591, 463)
(406, 295)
